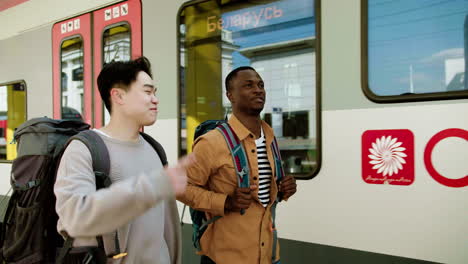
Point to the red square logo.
(388, 157)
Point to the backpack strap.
(238, 154)
(277, 155)
(158, 147)
(67, 245)
(239, 157)
(99, 155)
(101, 167)
(279, 175)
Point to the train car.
(368, 100)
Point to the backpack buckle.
(120, 255)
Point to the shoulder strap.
(158, 147)
(238, 154)
(279, 175)
(101, 167)
(99, 155)
(239, 157)
(277, 155)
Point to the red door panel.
(78, 26)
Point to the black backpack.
(29, 231)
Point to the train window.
(116, 47)
(12, 114)
(415, 50)
(72, 103)
(279, 40)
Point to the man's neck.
(252, 122)
(122, 128)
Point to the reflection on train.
(12, 114)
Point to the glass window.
(12, 114)
(278, 39)
(116, 47)
(417, 48)
(72, 103)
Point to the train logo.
(447, 133)
(388, 157)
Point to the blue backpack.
(239, 158)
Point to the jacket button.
(263, 244)
(255, 178)
(253, 150)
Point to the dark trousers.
(206, 260)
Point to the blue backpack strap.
(238, 154)
(200, 224)
(277, 155)
(239, 157)
(279, 175)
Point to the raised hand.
(178, 173)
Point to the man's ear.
(117, 95)
(229, 96)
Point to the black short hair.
(120, 74)
(233, 74)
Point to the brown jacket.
(234, 238)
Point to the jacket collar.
(242, 132)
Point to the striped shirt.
(264, 171)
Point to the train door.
(117, 37)
(72, 75)
(108, 34)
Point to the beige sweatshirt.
(140, 203)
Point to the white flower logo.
(387, 156)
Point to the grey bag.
(28, 234)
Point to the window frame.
(22, 81)
(120, 23)
(385, 99)
(318, 84)
(61, 67)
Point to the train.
(368, 100)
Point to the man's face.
(140, 101)
(247, 94)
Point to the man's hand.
(240, 199)
(287, 187)
(178, 174)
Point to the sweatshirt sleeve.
(85, 211)
(172, 231)
(196, 194)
